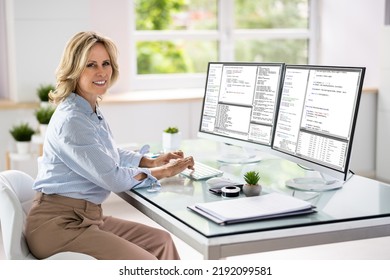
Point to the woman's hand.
(173, 167)
(166, 158)
(161, 160)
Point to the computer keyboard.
(201, 172)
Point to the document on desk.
(236, 210)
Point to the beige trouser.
(59, 224)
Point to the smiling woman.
(87, 57)
(81, 165)
(95, 79)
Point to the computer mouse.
(217, 182)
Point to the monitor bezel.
(234, 141)
(333, 172)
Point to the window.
(173, 40)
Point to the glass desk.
(359, 210)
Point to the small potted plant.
(43, 115)
(171, 139)
(22, 134)
(252, 186)
(43, 94)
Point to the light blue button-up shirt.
(80, 158)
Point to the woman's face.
(95, 78)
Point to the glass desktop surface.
(359, 198)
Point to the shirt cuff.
(150, 180)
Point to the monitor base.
(314, 184)
(234, 159)
(319, 182)
(230, 154)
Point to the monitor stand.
(232, 154)
(315, 184)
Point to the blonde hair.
(74, 60)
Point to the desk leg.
(213, 253)
(7, 161)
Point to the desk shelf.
(16, 157)
(36, 150)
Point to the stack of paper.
(252, 208)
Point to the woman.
(81, 166)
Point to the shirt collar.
(81, 103)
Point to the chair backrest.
(16, 196)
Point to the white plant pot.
(45, 104)
(23, 147)
(171, 141)
(251, 190)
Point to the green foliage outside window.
(281, 50)
(156, 14)
(167, 57)
(158, 57)
(161, 58)
(270, 14)
(267, 14)
(176, 14)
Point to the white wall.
(383, 147)
(3, 57)
(350, 35)
(144, 122)
(41, 28)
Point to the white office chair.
(16, 196)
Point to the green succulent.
(252, 177)
(43, 92)
(44, 114)
(171, 130)
(22, 132)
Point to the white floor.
(370, 249)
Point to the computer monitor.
(239, 107)
(316, 121)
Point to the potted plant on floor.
(22, 134)
(43, 94)
(252, 186)
(171, 139)
(43, 115)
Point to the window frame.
(224, 35)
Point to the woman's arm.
(166, 165)
(161, 160)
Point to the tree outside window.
(182, 36)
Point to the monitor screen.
(317, 116)
(240, 103)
